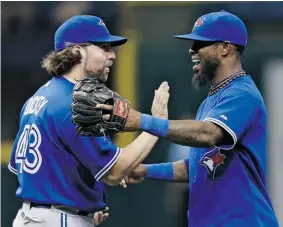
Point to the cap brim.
(113, 40)
(192, 37)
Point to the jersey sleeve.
(98, 154)
(234, 112)
(12, 163)
(187, 163)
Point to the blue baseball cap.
(218, 26)
(84, 28)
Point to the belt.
(63, 208)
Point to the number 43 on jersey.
(27, 151)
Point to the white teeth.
(196, 61)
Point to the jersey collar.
(215, 88)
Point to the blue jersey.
(228, 181)
(53, 163)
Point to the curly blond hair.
(60, 63)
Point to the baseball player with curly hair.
(62, 174)
(226, 168)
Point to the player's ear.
(78, 49)
(225, 48)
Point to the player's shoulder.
(56, 86)
(246, 91)
(58, 93)
(58, 90)
(243, 87)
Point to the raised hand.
(160, 102)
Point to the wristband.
(154, 125)
(163, 171)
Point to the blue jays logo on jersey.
(212, 160)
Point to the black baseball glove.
(88, 119)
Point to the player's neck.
(226, 70)
(75, 75)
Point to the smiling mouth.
(196, 62)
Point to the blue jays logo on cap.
(101, 23)
(85, 28)
(199, 22)
(218, 26)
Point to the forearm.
(131, 156)
(174, 172)
(194, 133)
(142, 146)
(185, 132)
(181, 171)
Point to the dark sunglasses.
(197, 45)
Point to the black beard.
(199, 81)
(209, 68)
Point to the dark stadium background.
(150, 57)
